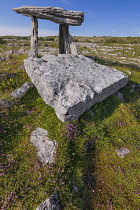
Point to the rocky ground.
(97, 158)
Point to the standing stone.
(73, 47)
(46, 148)
(51, 203)
(34, 37)
(66, 43)
(64, 39)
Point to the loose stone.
(20, 92)
(51, 203)
(122, 151)
(46, 148)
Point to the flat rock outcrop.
(46, 148)
(55, 14)
(72, 84)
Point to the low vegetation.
(88, 174)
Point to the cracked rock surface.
(55, 14)
(71, 84)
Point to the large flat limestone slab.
(72, 84)
(55, 14)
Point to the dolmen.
(70, 83)
(57, 15)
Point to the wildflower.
(71, 130)
(121, 123)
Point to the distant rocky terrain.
(105, 47)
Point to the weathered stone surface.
(122, 151)
(46, 148)
(34, 37)
(72, 84)
(20, 92)
(55, 14)
(52, 203)
(66, 42)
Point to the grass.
(85, 157)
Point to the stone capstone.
(72, 84)
(51, 203)
(20, 92)
(55, 14)
(46, 148)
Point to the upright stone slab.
(66, 43)
(34, 37)
(72, 84)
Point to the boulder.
(20, 92)
(55, 14)
(51, 203)
(71, 84)
(46, 148)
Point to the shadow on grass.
(88, 177)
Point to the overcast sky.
(102, 17)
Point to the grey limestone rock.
(51, 203)
(120, 96)
(20, 92)
(6, 104)
(72, 84)
(46, 148)
(122, 151)
(55, 14)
